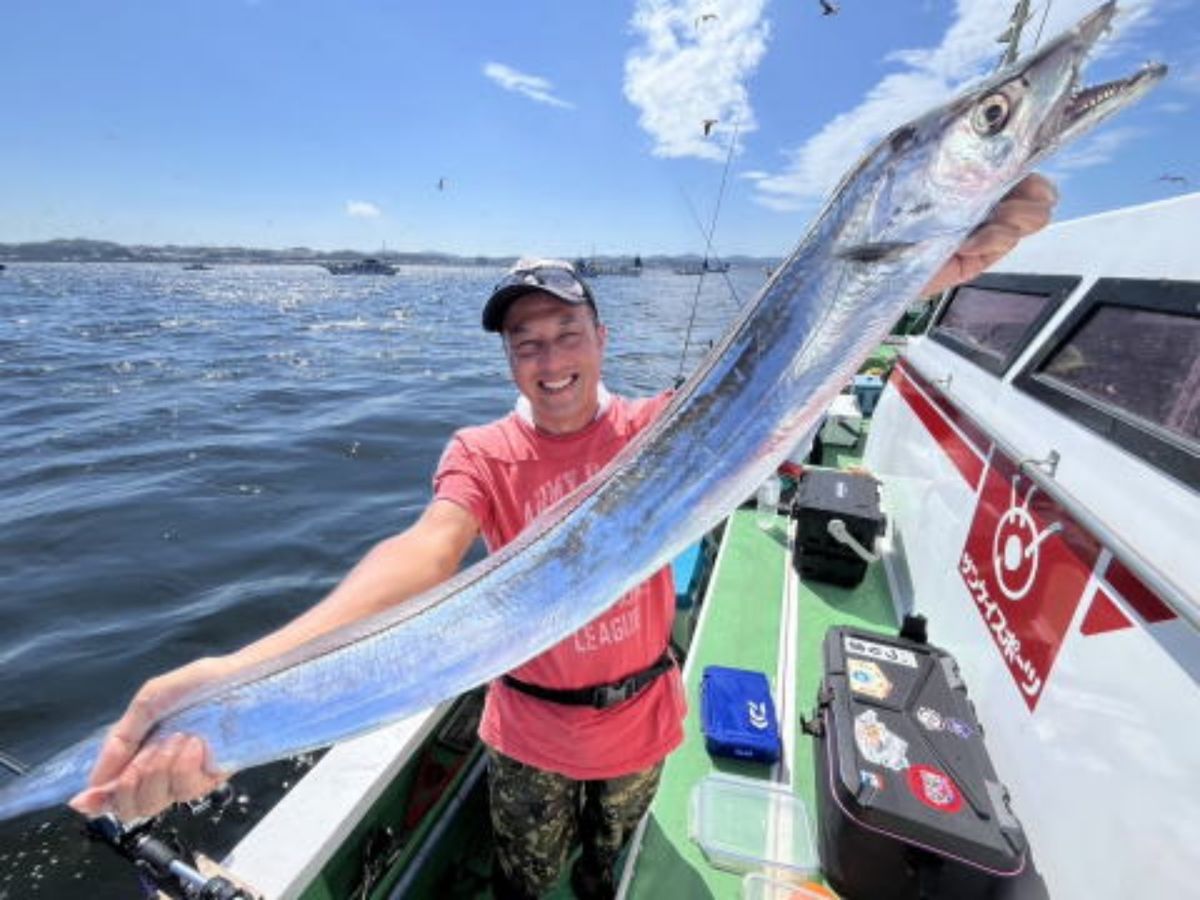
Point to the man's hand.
(132, 780)
(1024, 210)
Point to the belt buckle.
(607, 695)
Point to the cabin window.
(993, 318)
(1126, 364)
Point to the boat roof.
(1152, 240)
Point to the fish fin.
(877, 251)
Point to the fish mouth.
(1082, 107)
(1088, 104)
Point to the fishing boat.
(591, 268)
(368, 266)
(702, 268)
(197, 267)
(1037, 443)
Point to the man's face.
(555, 351)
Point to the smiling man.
(576, 736)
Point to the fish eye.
(990, 115)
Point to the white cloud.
(361, 209)
(1095, 150)
(928, 76)
(532, 86)
(690, 68)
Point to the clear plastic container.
(745, 824)
(767, 502)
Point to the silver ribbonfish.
(894, 220)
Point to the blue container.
(867, 389)
(737, 715)
(686, 571)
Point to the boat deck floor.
(756, 614)
(760, 615)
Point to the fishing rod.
(687, 339)
(161, 860)
(737, 300)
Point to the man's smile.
(562, 384)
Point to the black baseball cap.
(554, 276)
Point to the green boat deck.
(754, 602)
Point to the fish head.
(943, 172)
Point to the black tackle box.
(908, 803)
(850, 500)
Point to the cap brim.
(498, 304)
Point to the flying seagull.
(708, 126)
(1172, 179)
(706, 17)
(829, 9)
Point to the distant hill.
(87, 250)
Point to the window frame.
(1055, 288)
(1164, 449)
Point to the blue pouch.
(737, 715)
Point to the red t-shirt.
(504, 474)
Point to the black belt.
(600, 696)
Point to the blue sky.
(558, 127)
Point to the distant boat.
(197, 267)
(700, 268)
(368, 266)
(590, 268)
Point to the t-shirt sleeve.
(460, 480)
(650, 408)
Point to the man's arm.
(133, 781)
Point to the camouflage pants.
(538, 817)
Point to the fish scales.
(890, 225)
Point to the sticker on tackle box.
(880, 652)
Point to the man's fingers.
(93, 801)
(990, 239)
(162, 773)
(114, 756)
(1035, 187)
(156, 792)
(191, 778)
(1026, 215)
(134, 788)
